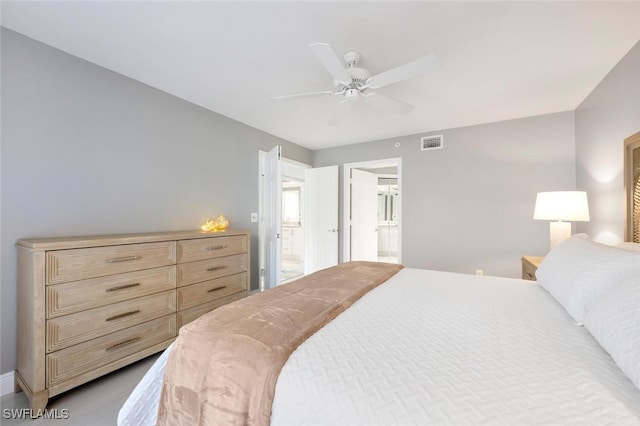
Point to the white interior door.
(364, 215)
(321, 215)
(272, 217)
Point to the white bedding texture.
(615, 324)
(430, 347)
(579, 272)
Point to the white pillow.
(629, 246)
(578, 272)
(553, 273)
(615, 324)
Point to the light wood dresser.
(90, 305)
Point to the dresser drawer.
(204, 270)
(79, 264)
(188, 315)
(76, 328)
(207, 291)
(79, 359)
(209, 248)
(68, 298)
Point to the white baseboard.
(6, 383)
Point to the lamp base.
(558, 231)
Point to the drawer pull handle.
(215, 268)
(122, 287)
(217, 247)
(216, 288)
(125, 314)
(123, 259)
(121, 344)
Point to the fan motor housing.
(359, 78)
(358, 74)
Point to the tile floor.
(96, 403)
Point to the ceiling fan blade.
(341, 110)
(388, 103)
(328, 58)
(404, 72)
(302, 96)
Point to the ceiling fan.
(353, 83)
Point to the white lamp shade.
(570, 206)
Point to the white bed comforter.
(432, 347)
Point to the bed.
(430, 347)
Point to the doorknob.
(333, 230)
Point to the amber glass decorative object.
(220, 223)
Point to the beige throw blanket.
(223, 367)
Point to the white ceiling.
(500, 60)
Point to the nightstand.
(529, 266)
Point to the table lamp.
(562, 208)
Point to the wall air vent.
(431, 142)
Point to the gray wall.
(604, 119)
(470, 205)
(89, 151)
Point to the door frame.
(346, 201)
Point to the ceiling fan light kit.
(354, 83)
(351, 94)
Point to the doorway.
(388, 218)
(373, 211)
(297, 218)
(293, 220)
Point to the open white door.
(321, 214)
(272, 217)
(364, 215)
